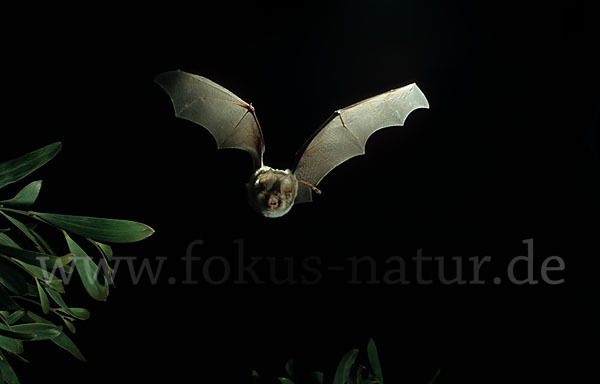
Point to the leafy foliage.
(32, 275)
(348, 371)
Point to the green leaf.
(43, 242)
(38, 259)
(16, 169)
(67, 344)
(255, 377)
(5, 240)
(11, 345)
(56, 285)
(318, 377)
(16, 335)
(285, 380)
(108, 230)
(15, 316)
(42, 331)
(6, 302)
(88, 271)
(105, 249)
(290, 368)
(36, 271)
(69, 325)
(44, 302)
(78, 313)
(8, 374)
(374, 360)
(62, 340)
(358, 375)
(434, 378)
(23, 228)
(342, 373)
(19, 358)
(25, 197)
(12, 278)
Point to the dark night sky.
(508, 151)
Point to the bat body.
(233, 124)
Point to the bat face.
(271, 192)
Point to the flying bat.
(233, 123)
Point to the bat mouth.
(272, 203)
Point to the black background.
(508, 151)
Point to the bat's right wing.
(345, 134)
(228, 118)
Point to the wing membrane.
(230, 120)
(345, 134)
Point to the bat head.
(271, 192)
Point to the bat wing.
(228, 118)
(345, 134)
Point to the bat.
(233, 123)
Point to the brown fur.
(271, 192)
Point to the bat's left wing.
(346, 132)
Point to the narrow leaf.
(38, 259)
(67, 344)
(44, 302)
(25, 197)
(434, 378)
(255, 377)
(12, 278)
(16, 335)
(342, 373)
(374, 360)
(62, 340)
(290, 368)
(318, 377)
(43, 242)
(88, 271)
(23, 228)
(11, 345)
(5, 240)
(19, 358)
(78, 313)
(15, 316)
(36, 271)
(56, 285)
(108, 230)
(42, 331)
(69, 325)
(16, 169)
(6, 302)
(106, 250)
(8, 374)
